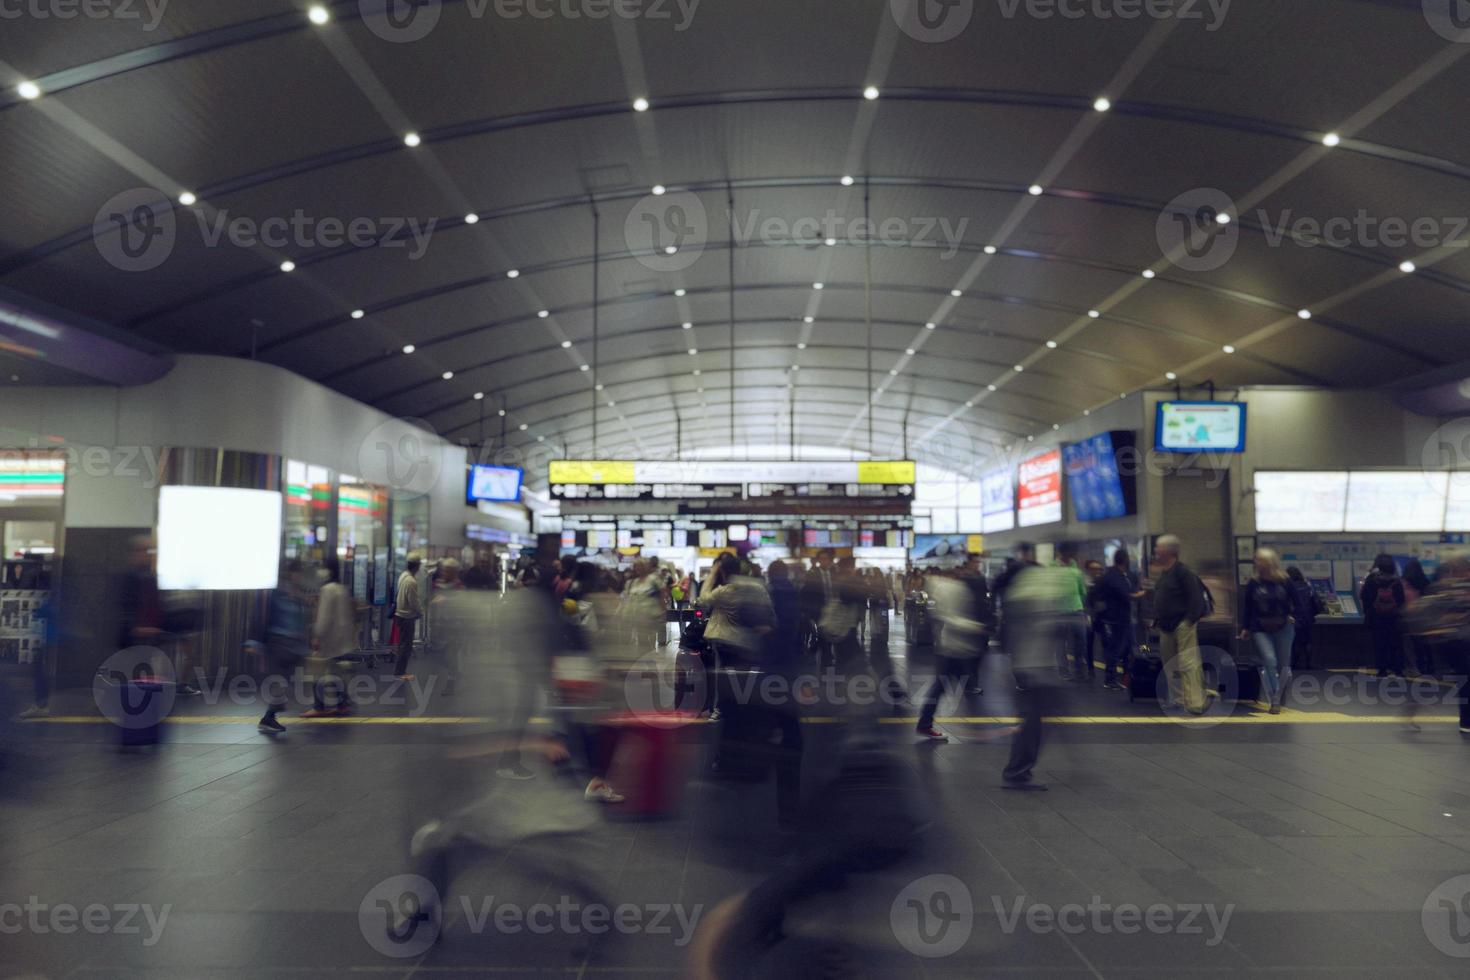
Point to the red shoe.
(931, 733)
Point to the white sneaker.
(35, 711)
(603, 794)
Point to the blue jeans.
(1275, 651)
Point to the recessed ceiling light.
(358, 314)
(29, 91)
(1228, 348)
(893, 372)
(1171, 375)
(679, 292)
(686, 325)
(846, 181)
(472, 218)
(598, 387)
(543, 314)
(801, 346)
(411, 140)
(524, 427)
(658, 190)
(1051, 344)
(1331, 139)
(187, 199)
(1030, 438)
(796, 367)
(697, 372)
(447, 375)
(990, 249)
(818, 285)
(969, 404)
(699, 391)
(871, 92)
(1056, 426)
(1407, 266)
(501, 413)
(831, 242)
(670, 249)
(1102, 105)
(640, 105)
(991, 387)
(540, 438)
(931, 326)
(585, 367)
(512, 273)
(479, 396)
(1304, 314)
(1222, 218)
(1087, 411)
(611, 403)
(1020, 368)
(288, 266)
(565, 344)
(1094, 314)
(1123, 396)
(693, 351)
(1035, 190)
(318, 14)
(909, 351)
(409, 348)
(1149, 273)
(956, 293)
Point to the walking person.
(1268, 620)
(408, 609)
(1383, 603)
(1179, 605)
(1309, 604)
(286, 643)
(1076, 659)
(334, 636)
(962, 640)
(1416, 586)
(740, 614)
(1039, 608)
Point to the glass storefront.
(362, 548)
(32, 487)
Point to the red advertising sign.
(1039, 489)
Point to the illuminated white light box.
(218, 538)
(1403, 501)
(1301, 501)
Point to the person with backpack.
(1268, 620)
(1179, 604)
(1383, 603)
(1308, 607)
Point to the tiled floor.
(1281, 848)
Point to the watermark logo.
(833, 228)
(1200, 690)
(401, 21)
(1210, 13)
(40, 918)
(1446, 917)
(1448, 448)
(1105, 919)
(667, 232)
(932, 21)
(1196, 230)
(401, 916)
(402, 455)
(933, 916)
(135, 688)
(1450, 19)
(148, 12)
(135, 231)
(665, 691)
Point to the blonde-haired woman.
(1268, 617)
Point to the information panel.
(1039, 489)
(1457, 507)
(1193, 427)
(1404, 501)
(1301, 501)
(998, 501)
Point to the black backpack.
(1273, 611)
(1385, 603)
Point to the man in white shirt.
(408, 609)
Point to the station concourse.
(627, 488)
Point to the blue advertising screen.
(1098, 488)
(494, 483)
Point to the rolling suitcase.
(136, 705)
(651, 762)
(1143, 675)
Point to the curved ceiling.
(997, 250)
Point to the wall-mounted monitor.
(1301, 501)
(1199, 427)
(1039, 489)
(495, 483)
(998, 501)
(1096, 482)
(218, 538)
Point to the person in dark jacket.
(1268, 619)
(1117, 590)
(1306, 618)
(1416, 586)
(1179, 605)
(783, 643)
(816, 589)
(1383, 602)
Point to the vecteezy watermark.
(406, 21)
(1199, 688)
(135, 688)
(832, 229)
(64, 919)
(1446, 917)
(667, 232)
(932, 21)
(403, 455)
(1210, 13)
(933, 916)
(64, 460)
(1450, 19)
(138, 230)
(403, 916)
(148, 13)
(1200, 230)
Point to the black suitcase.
(1143, 675)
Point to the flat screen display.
(1457, 508)
(218, 538)
(1404, 501)
(1039, 489)
(1095, 482)
(1196, 427)
(495, 483)
(1305, 501)
(998, 501)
